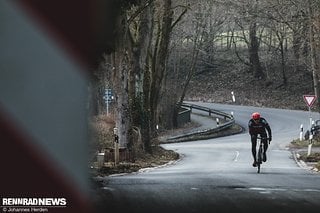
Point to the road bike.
(260, 151)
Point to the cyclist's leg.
(265, 142)
(265, 146)
(254, 148)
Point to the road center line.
(236, 157)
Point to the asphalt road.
(216, 175)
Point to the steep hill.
(216, 86)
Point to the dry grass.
(101, 132)
(297, 144)
(302, 145)
(158, 157)
(101, 137)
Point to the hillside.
(216, 86)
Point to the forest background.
(165, 52)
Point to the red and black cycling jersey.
(259, 127)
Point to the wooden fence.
(124, 155)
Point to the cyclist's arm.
(250, 127)
(269, 131)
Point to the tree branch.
(181, 15)
(238, 56)
(139, 11)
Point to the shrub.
(101, 132)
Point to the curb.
(302, 164)
(147, 169)
(195, 137)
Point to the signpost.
(108, 98)
(310, 99)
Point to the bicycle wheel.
(259, 158)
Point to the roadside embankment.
(300, 153)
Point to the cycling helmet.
(255, 115)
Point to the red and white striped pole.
(47, 52)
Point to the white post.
(310, 143)
(100, 159)
(301, 132)
(218, 121)
(309, 149)
(310, 118)
(310, 137)
(233, 97)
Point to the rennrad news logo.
(31, 204)
(34, 202)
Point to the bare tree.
(140, 28)
(140, 65)
(159, 57)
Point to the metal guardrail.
(209, 110)
(184, 116)
(228, 118)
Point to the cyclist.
(259, 126)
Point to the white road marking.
(236, 157)
(269, 190)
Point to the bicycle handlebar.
(268, 139)
(263, 137)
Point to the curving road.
(216, 175)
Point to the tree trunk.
(313, 53)
(121, 63)
(283, 64)
(255, 65)
(281, 39)
(159, 61)
(296, 45)
(140, 50)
